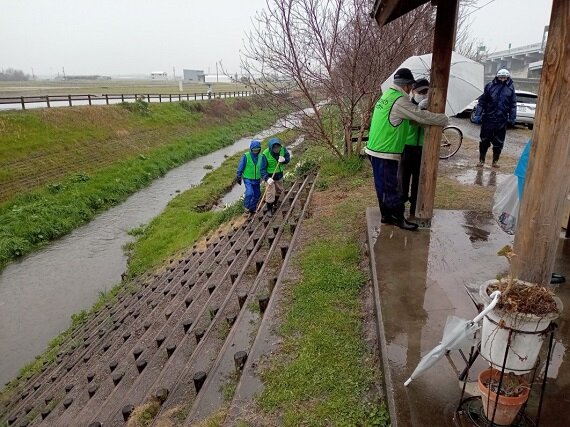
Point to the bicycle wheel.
(451, 139)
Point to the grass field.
(80, 177)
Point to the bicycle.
(451, 139)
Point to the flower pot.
(528, 335)
(507, 407)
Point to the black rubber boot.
(402, 222)
(496, 159)
(557, 279)
(387, 215)
(270, 209)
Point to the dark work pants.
(410, 171)
(387, 185)
(492, 133)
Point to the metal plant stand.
(470, 411)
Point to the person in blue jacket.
(249, 172)
(498, 106)
(272, 160)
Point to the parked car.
(526, 106)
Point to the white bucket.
(525, 346)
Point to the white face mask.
(419, 98)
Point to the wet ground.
(39, 293)
(419, 281)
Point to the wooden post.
(547, 177)
(69, 99)
(89, 98)
(159, 97)
(148, 98)
(47, 101)
(107, 98)
(170, 97)
(23, 103)
(445, 26)
(122, 97)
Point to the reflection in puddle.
(481, 177)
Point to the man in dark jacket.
(272, 160)
(249, 172)
(499, 107)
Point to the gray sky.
(140, 36)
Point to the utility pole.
(63, 70)
(217, 80)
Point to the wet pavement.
(419, 280)
(39, 293)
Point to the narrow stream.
(39, 293)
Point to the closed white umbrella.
(456, 334)
(466, 79)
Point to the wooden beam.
(445, 27)
(547, 180)
(383, 10)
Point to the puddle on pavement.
(39, 293)
(421, 279)
(482, 177)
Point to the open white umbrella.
(456, 334)
(466, 79)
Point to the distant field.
(98, 87)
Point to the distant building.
(196, 76)
(158, 75)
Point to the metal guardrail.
(109, 98)
(528, 48)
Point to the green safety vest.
(251, 170)
(415, 136)
(272, 163)
(383, 136)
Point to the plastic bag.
(506, 204)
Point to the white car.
(526, 107)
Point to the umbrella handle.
(495, 295)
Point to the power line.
(479, 8)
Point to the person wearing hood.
(498, 106)
(249, 173)
(412, 155)
(272, 160)
(392, 118)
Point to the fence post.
(122, 98)
(194, 96)
(159, 97)
(169, 97)
(187, 97)
(148, 97)
(47, 101)
(23, 103)
(107, 98)
(179, 97)
(89, 98)
(136, 97)
(69, 99)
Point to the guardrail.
(108, 98)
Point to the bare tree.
(330, 50)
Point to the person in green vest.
(393, 116)
(272, 160)
(412, 154)
(249, 173)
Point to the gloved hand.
(281, 159)
(270, 181)
(238, 180)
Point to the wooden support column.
(444, 39)
(547, 178)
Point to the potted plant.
(524, 311)
(511, 397)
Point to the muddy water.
(39, 293)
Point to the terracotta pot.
(507, 407)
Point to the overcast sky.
(140, 36)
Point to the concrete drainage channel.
(174, 342)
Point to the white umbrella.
(466, 79)
(457, 333)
